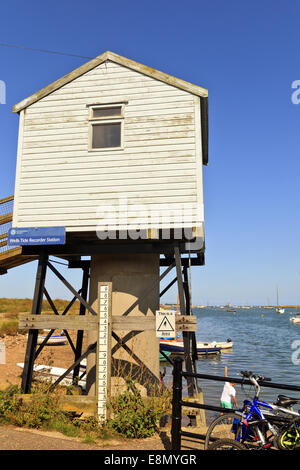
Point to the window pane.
(107, 112)
(106, 135)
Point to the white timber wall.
(59, 182)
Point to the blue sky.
(247, 55)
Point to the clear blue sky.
(247, 55)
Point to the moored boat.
(176, 347)
(53, 340)
(48, 373)
(216, 344)
(295, 319)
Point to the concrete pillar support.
(131, 276)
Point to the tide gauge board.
(104, 348)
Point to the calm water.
(262, 343)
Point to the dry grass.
(10, 309)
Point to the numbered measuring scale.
(104, 348)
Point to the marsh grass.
(10, 309)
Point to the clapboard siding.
(60, 182)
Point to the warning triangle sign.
(165, 325)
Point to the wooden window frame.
(106, 120)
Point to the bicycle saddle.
(283, 400)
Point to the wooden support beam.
(88, 322)
(74, 292)
(82, 312)
(79, 403)
(33, 334)
(71, 322)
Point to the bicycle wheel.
(226, 444)
(226, 426)
(289, 438)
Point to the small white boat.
(216, 344)
(176, 346)
(279, 309)
(48, 373)
(295, 319)
(53, 340)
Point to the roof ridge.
(112, 56)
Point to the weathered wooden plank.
(127, 191)
(88, 322)
(4, 219)
(36, 162)
(156, 138)
(166, 202)
(107, 179)
(6, 199)
(162, 211)
(77, 403)
(34, 126)
(137, 98)
(74, 322)
(137, 169)
(80, 105)
(133, 323)
(76, 133)
(94, 195)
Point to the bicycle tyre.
(226, 444)
(220, 428)
(289, 438)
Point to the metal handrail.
(178, 402)
(7, 199)
(6, 218)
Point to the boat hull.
(176, 347)
(52, 340)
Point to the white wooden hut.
(112, 135)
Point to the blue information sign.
(36, 236)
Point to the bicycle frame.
(263, 417)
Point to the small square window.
(106, 126)
(106, 135)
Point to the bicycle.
(289, 437)
(252, 426)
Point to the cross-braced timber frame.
(170, 261)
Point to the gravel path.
(12, 438)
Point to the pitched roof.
(177, 82)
